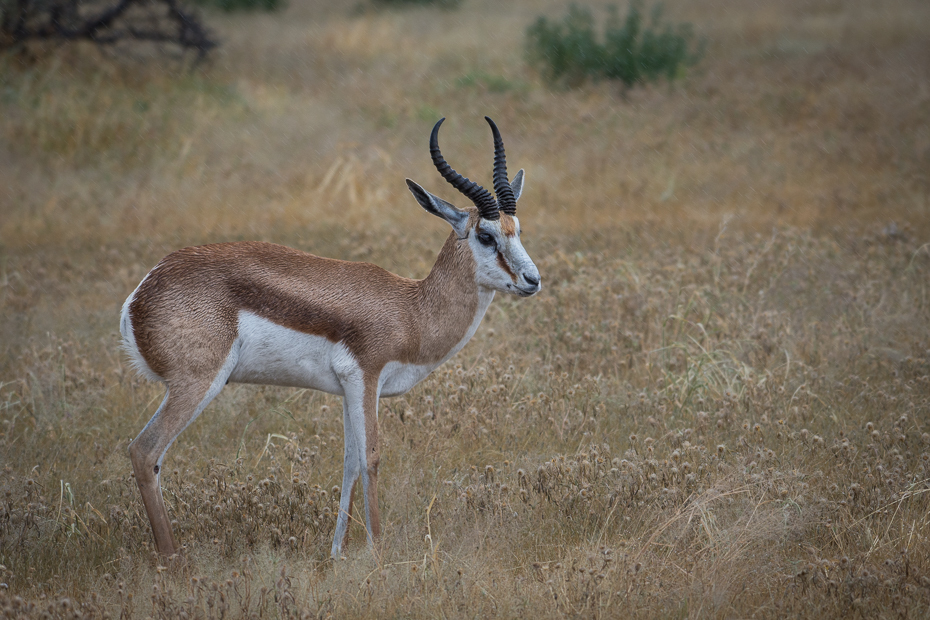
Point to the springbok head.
(492, 229)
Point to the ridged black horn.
(505, 198)
(482, 198)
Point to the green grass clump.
(631, 51)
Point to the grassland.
(718, 406)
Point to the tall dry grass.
(718, 406)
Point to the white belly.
(397, 378)
(270, 354)
(274, 355)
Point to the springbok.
(252, 312)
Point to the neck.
(451, 303)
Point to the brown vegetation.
(719, 405)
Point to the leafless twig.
(105, 22)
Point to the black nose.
(531, 280)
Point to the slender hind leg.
(184, 401)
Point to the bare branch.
(105, 22)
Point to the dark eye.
(485, 239)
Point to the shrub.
(571, 52)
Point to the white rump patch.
(136, 360)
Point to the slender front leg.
(362, 455)
(370, 457)
(351, 469)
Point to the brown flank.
(185, 314)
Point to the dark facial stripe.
(503, 265)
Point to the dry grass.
(719, 406)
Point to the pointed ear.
(457, 218)
(517, 185)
